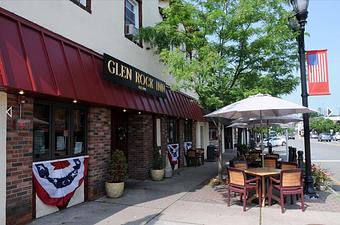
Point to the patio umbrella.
(258, 106)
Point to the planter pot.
(114, 190)
(157, 175)
(168, 173)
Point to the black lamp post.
(301, 13)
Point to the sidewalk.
(186, 198)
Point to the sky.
(323, 26)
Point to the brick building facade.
(59, 100)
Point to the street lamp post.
(301, 13)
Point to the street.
(325, 154)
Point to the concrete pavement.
(188, 199)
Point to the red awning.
(36, 60)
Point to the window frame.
(139, 19)
(176, 131)
(188, 130)
(86, 7)
(69, 110)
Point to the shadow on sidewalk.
(141, 202)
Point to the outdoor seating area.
(268, 179)
(195, 157)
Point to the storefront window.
(79, 131)
(41, 131)
(172, 131)
(187, 130)
(59, 131)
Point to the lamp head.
(300, 8)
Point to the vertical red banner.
(317, 67)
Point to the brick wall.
(164, 137)
(140, 145)
(19, 163)
(194, 140)
(181, 143)
(99, 150)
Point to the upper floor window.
(132, 17)
(85, 4)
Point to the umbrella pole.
(261, 139)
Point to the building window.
(188, 130)
(59, 131)
(85, 4)
(172, 131)
(132, 18)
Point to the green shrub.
(118, 167)
(321, 177)
(157, 162)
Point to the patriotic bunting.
(56, 181)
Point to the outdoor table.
(263, 172)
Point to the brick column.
(99, 150)
(164, 139)
(19, 163)
(181, 143)
(140, 145)
(194, 139)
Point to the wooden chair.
(276, 156)
(200, 155)
(290, 183)
(239, 184)
(192, 158)
(270, 162)
(241, 165)
(288, 165)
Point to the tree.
(226, 50)
(322, 125)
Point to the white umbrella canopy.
(270, 119)
(258, 106)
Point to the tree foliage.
(322, 125)
(226, 50)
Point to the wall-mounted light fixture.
(74, 101)
(124, 110)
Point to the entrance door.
(119, 136)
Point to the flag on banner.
(317, 66)
(56, 181)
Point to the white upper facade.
(101, 29)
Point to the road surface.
(325, 154)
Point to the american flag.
(317, 66)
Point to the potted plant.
(157, 170)
(117, 174)
(322, 178)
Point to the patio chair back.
(288, 165)
(276, 156)
(291, 178)
(270, 162)
(191, 153)
(242, 165)
(255, 155)
(236, 177)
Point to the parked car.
(314, 136)
(276, 141)
(291, 136)
(324, 137)
(336, 137)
